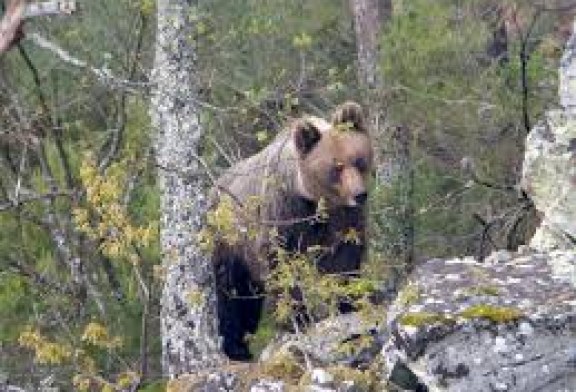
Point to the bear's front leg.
(231, 329)
(240, 303)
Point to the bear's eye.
(335, 173)
(361, 164)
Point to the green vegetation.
(488, 290)
(409, 294)
(80, 262)
(459, 105)
(419, 319)
(496, 314)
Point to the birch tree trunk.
(189, 327)
(393, 143)
(369, 17)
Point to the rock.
(222, 380)
(346, 339)
(567, 76)
(321, 377)
(6, 387)
(549, 170)
(268, 386)
(316, 388)
(491, 326)
(549, 177)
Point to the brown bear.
(312, 161)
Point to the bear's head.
(334, 158)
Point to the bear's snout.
(361, 198)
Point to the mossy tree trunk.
(188, 318)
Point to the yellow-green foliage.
(156, 386)
(409, 294)
(496, 314)
(221, 223)
(487, 290)
(60, 353)
(355, 346)
(105, 217)
(419, 319)
(45, 351)
(230, 222)
(264, 334)
(123, 382)
(321, 293)
(97, 335)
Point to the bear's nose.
(361, 198)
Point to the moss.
(283, 367)
(409, 294)
(496, 314)
(355, 346)
(488, 290)
(266, 331)
(154, 386)
(419, 319)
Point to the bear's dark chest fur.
(338, 234)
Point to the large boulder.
(549, 170)
(567, 76)
(549, 177)
(506, 324)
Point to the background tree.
(393, 141)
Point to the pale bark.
(369, 16)
(393, 151)
(18, 10)
(188, 318)
(11, 24)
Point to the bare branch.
(11, 25)
(542, 6)
(46, 8)
(104, 75)
(19, 201)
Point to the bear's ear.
(349, 116)
(305, 135)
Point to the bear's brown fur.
(312, 160)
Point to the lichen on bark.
(189, 328)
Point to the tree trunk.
(369, 17)
(393, 143)
(189, 327)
